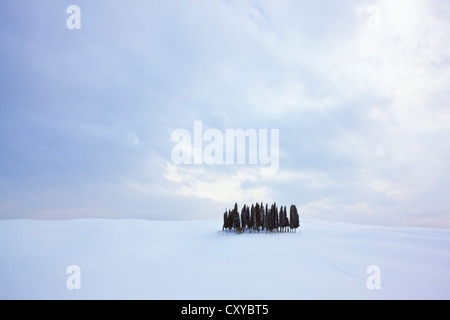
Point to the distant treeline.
(261, 218)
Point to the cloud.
(234, 183)
(399, 75)
(221, 186)
(362, 112)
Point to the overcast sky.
(359, 91)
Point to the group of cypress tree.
(261, 218)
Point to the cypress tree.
(261, 216)
(291, 217)
(270, 222)
(251, 224)
(296, 217)
(225, 220)
(236, 220)
(286, 219)
(295, 220)
(266, 217)
(275, 217)
(257, 217)
(282, 219)
(244, 217)
(254, 220)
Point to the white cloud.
(234, 183)
(372, 102)
(403, 67)
(221, 187)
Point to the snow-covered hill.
(138, 259)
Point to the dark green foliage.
(244, 217)
(275, 217)
(297, 218)
(252, 218)
(266, 218)
(282, 219)
(270, 219)
(257, 217)
(294, 218)
(236, 220)
(261, 218)
(230, 219)
(286, 224)
(225, 221)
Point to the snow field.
(139, 259)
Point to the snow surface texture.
(138, 259)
